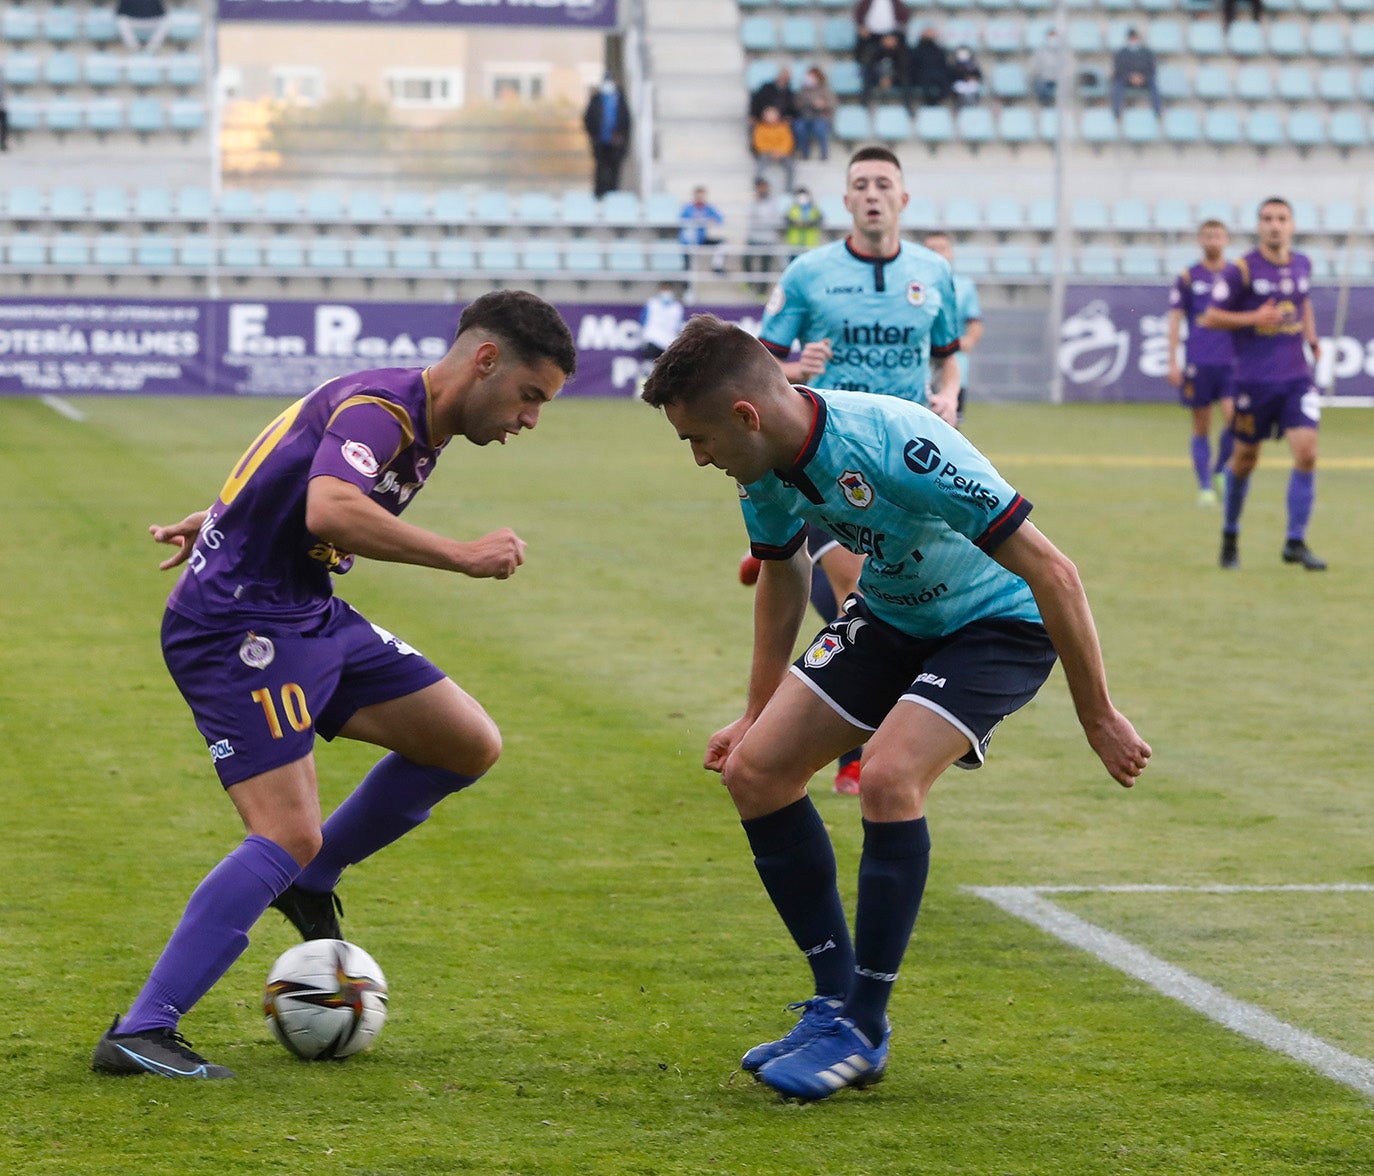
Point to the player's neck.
(1214, 264)
(888, 245)
(1276, 254)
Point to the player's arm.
(1175, 376)
(340, 513)
(944, 387)
(1063, 605)
(1309, 331)
(814, 359)
(973, 334)
(181, 535)
(780, 604)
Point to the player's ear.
(486, 357)
(746, 414)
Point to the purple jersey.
(1268, 354)
(254, 558)
(1192, 294)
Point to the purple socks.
(212, 933)
(1202, 461)
(1302, 491)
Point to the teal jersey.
(892, 481)
(884, 316)
(966, 299)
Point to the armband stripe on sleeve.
(774, 551)
(776, 349)
(945, 350)
(1003, 525)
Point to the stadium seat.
(962, 215)
(64, 114)
(497, 256)
(921, 212)
(894, 124)
(1004, 37)
(1245, 39)
(109, 204)
(1339, 217)
(411, 208)
(1139, 125)
(846, 79)
(1004, 214)
(101, 70)
(665, 257)
(837, 35)
(583, 255)
(451, 206)
(1141, 261)
(1098, 126)
(1306, 129)
(61, 25)
(411, 253)
(113, 249)
(25, 203)
(240, 253)
(852, 124)
(1182, 125)
(1085, 37)
(492, 208)
(1316, 7)
(540, 257)
(759, 71)
(1131, 215)
(1222, 128)
(1365, 85)
(185, 70)
(1096, 261)
(366, 207)
(22, 69)
(1088, 214)
(144, 72)
(67, 203)
(625, 257)
(661, 210)
(1041, 214)
(28, 249)
(1205, 39)
(156, 252)
(284, 253)
(1335, 84)
(238, 204)
(1357, 7)
(146, 115)
(798, 34)
(69, 251)
(25, 115)
(758, 34)
(325, 207)
(1010, 261)
(1326, 39)
(1264, 129)
(153, 205)
(975, 125)
(1212, 83)
(620, 209)
(183, 26)
(1165, 38)
(1172, 215)
(1173, 83)
(1287, 38)
(328, 253)
(934, 124)
(18, 25)
(195, 251)
(1295, 84)
(1007, 80)
(195, 204)
(281, 206)
(99, 26)
(1049, 122)
(1306, 215)
(1362, 39)
(61, 70)
(1016, 124)
(105, 115)
(1253, 83)
(1222, 210)
(1347, 129)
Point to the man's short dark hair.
(1275, 200)
(708, 354)
(1213, 223)
(526, 324)
(864, 154)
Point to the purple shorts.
(1265, 410)
(259, 694)
(1205, 383)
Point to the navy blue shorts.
(1265, 410)
(819, 541)
(1205, 383)
(974, 677)
(260, 694)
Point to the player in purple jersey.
(1209, 362)
(267, 657)
(1263, 300)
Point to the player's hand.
(1268, 315)
(723, 742)
(1175, 376)
(180, 535)
(494, 556)
(1123, 753)
(815, 358)
(944, 406)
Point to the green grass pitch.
(579, 950)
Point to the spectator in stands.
(763, 231)
(803, 223)
(661, 322)
(607, 119)
(1133, 68)
(930, 73)
(1228, 11)
(773, 146)
(142, 24)
(880, 45)
(779, 93)
(1047, 63)
(967, 77)
(699, 225)
(4, 116)
(816, 103)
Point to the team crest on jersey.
(776, 301)
(360, 457)
(257, 652)
(1286, 285)
(856, 490)
(826, 646)
(915, 293)
(1220, 291)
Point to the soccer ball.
(325, 998)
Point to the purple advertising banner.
(269, 348)
(1114, 343)
(582, 14)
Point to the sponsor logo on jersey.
(856, 490)
(915, 293)
(392, 640)
(1202, 288)
(930, 680)
(257, 652)
(925, 596)
(360, 457)
(776, 301)
(921, 455)
(1286, 285)
(220, 749)
(1262, 286)
(844, 289)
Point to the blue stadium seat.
(1287, 38)
(1347, 129)
(1339, 217)
(759, 71)
(28, 249)
(1085, 37)
(540, 257)
(894, 124)
(1253, 83)
(665, 257)
(1245, 39)
(113, 249)
(146, 115)
(18, 25)
(67, 203)
(105, 115)
(1098, 126)
(1335, 84)
(1165, 37)
(195, 204)
(25, 115)
(1016, 124)
(1049, 122)
(1222, 210)
(1306, 129)
(451, 206)
(1295, 84)
(22, 68)
(921, 212)
(99, 26)
(1131, 215)
(239, 253)
(621, 209)
(63, 114)
(1222, 128)
(410, 208)
(281, 206)
(846, 79)
(25, 203)
(412, 253)
(492, 207)
(962, 215)
(156, 252)
(579, 208)
(1173, 82)
(366, 206)
(185, 70)
(1010, 261)
(1264, 129)
(852, 124)
(1004, 214)
(1041, 214)
(109, 204)
(1205, 39)
(934, 124)
(153, 205)
(327, 253)
(975, 125)
(1172, 215)
(583, 255)
(661, 210)
(1305, 214)
(1365, 86)
(1212, 83)
(69, 251)
(1362, 39)
(238, 204)
(1088, 214)
(283, 253)
(1007, 80)
(837, 35)
(61, 25)
(1326, 39)
(100, 70)
(956, 32)
(1004, 37)
(758, 34)
(325, 206)
(798, 34)
(1142, 261)
(183, 26)
(624, 257)
(497, 256)
(61, 70)
(1316, 7)
(1182, 125)
(195, 251)
(1096, 261)
(1139, 125)
(144, 72)
(1357, 7)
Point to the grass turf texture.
(579, 949)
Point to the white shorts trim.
(957, 724)
(830, 702)
(816, 555)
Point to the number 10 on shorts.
(293, 705)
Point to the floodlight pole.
(1063, 107)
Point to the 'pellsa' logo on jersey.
(826, 646)
(915, 293)
(360, 457)
(856, 490)
(921, 455)
(257, 652)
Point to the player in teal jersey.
(965, 605)
(970, 314)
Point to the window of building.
(420, 88)
(516, 81)
(302, 85)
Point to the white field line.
(1025, 902)
(63, 408)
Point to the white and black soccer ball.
(325, 998)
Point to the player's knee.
(890, 788)
(477, 753)
(301, 842)
(744, 780)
